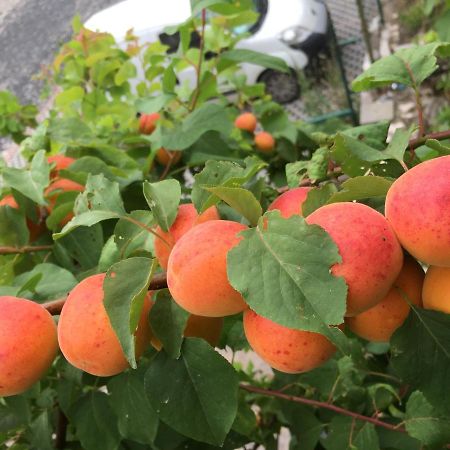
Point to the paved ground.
(31, 31)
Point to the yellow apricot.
(436, 289)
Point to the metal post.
(365, 29)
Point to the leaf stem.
(25, 249)
(198, 67)
(147, 228)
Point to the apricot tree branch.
(158, 281)
(198, 67)
(439, 136)
(24, 249)
(419, 106)
(324, 405)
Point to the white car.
(293, 30)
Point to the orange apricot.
(286, 349)
(61, 162)
(28, 344)
(371, 254)
(246, 121)
(436, 289)
(264, 142)
(164, 157)
(147, 123)
(290, 202)
(378, 323)
(197, 270)
(418, 208)
(187, 218)
(86, 336)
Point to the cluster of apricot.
(263, 140)
(147, 125)
(382, 284)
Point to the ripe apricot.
(61, 162)
(418, 208)
(86, 336)
(197, 270)
(147, 123)
(371, 255)
(164, 157)
(378, 323)
(290, 202)
(246, 121)
(436, 289)
(187, 217)
(28, 344)
(264, 142)
(286, 349)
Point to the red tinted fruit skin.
(418, 208)
(61, 162)
(264, 142)
(290, 202)
(28, 344)
(187, 218)
(371, 254)
(197, 270)
(164, 157)
(147, 123)
(86, 336)
(246, 121)
(286, 349)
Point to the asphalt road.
(31, 31)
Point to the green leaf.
(169, 80)
(95, 423)
(438, 146)
(149, 105)
(127, 70)
(296, 172)
(424, 339)
(374, 134)
(13, 227)
(360, 188)
(209, 116)
(289, 260)
(125, 288)
(71, 131)
(318, 164)
(409, 66)
(168, 322)
(110, 255)
(137, 420)
(241, 200)
(422, 422)
(30, 183)
(41, 432)
(317, 198)
(398, 145)
(241, 55)
(198, 5)
(200, 397)
(163, 199)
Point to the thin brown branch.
(25, 249)
(439, 136)
(198, 67)
(61, 430)
(324, 405)
(419, 105)
(158, 281)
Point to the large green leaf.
(282, 269)
(317, 197)
(125, 287)
(137, 420)
(241, 55)
(163, 199)
(199, 399)
(13, 228)
(360, 188)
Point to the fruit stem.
(25, 249)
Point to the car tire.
(283, 87)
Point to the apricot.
(290, 202)
(166, 157)
(246, 121)
(286, 349)
(61, 162)
(436, 289)
(264, 142)
(86, 336)
(147, 123)
(187, 217)
(378, 323)
(418, 208)
(35, 228)
(28, 344)
(197, 270)
(371, 254)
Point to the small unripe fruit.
(378, 323)
(264, 142)
(147, 123)
(28, 344)
(436, 289)
(290, 202)
(371, 255)
(246, 121)
(86, 336)
(286, 349)
(187, 218)
(418, 208)
(166, 157)
(197, 270)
